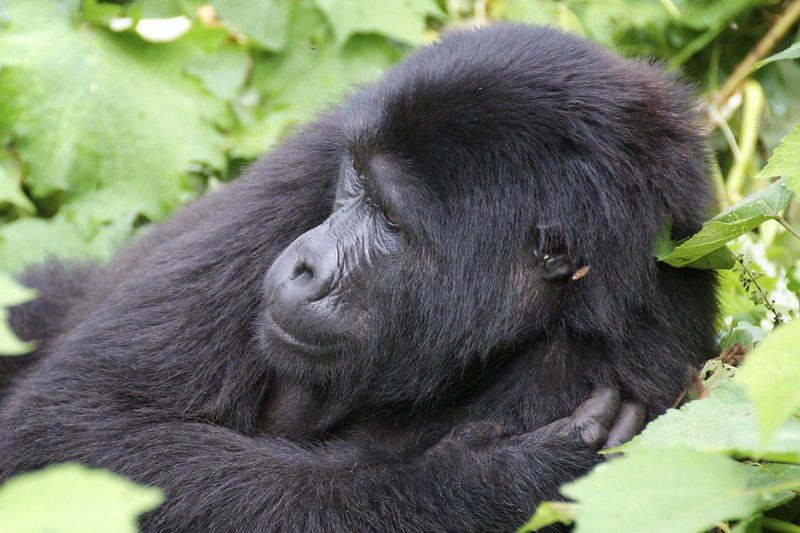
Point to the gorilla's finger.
(602, 406)
(628, 424)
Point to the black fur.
(516, 145)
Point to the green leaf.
(9, 343)
(309, 75)
(167, 8)
(662, 491)
(701, 15)
(12, 293)
(793, 52)
(10, 190)
(609, 22)
(266, 21)
(222, 73)
(102, 114)
(664, 245)
(402, 20)
(767, 475)
(723, 422)
(289, 87)
(744, 333)
(549, 513)
(737, 220)
(99, 13)
(31, 240)
(70, 497)
(785, 161)
(718, 259)
(71, 93)
(793, 279)
(544, 12)
(770, 374)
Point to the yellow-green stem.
(783, 24)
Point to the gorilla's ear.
(557, 266)
(551, 255)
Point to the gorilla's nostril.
(302, 269)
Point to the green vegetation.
(11, 293)
(112, 114)
(70, 497)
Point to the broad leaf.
(793, 279)
(549, 513)
(766, 475)
(662, 491)
(9, 343)
(737, 220)
(793, 52)
(771, 374)
(94, 113)
(701, 15)
(718, 259)
(167, 8)
(222, 73)
(70, 497)
(311, 73)
(403, 20)
(10, 185)
(265, 21)
(724, 422)
(785, 161)
(30, 240)
(12, 293)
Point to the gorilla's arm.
(216, 479)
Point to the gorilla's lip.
(307, 348)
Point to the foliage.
(680, 475)
(12, 293)
(771, 375)
(786, 161)
(114, 113)
(104, 130)
(737, 220)
(55, 500)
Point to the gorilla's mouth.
(306, 347)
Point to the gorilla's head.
(477, 182)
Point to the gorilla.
(424, 312)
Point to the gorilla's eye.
(390, 219)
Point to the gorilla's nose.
(305, 271)
(314, 268)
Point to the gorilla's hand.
(601, 422)
(528, 468)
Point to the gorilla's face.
(316, 290)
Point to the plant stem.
(778, 318)
(782, 25)
(779, 526)
(754, 102)
(671, 8)
(785, 223)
